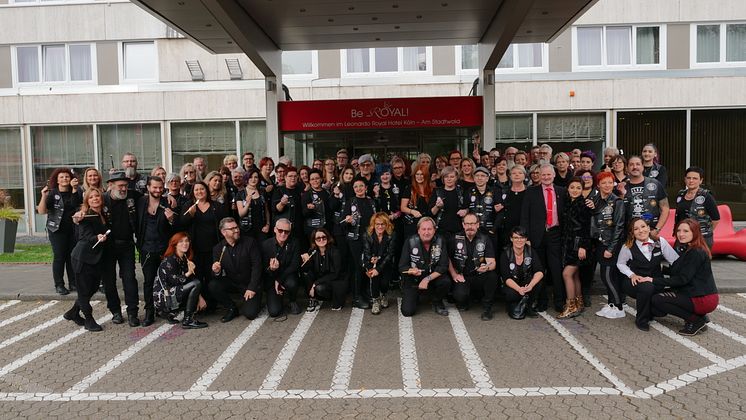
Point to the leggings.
(380, 284)
(191, 290)
(672, 303)
(609, 277)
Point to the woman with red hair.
(176, 287)
(415, 199)
(692, 292)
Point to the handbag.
(167, 300)
(518, 310)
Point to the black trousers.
(221, 289)
(511, 296)
(587, 271)
(150, 261)
(380, 284)
(203, 271)
(62, 243)
(89, 278)
(191, 292)
(672, 303)
(291, 283)
(123, 254)
(550, 253)
(334, 291)
(437, 289)
(643, 294)
(344, 252)
(360, 288)
(475, 287)
(610, 275)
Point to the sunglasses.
(320, 238)
(283, 231)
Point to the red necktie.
(549, 202)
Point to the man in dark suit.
(542, 210)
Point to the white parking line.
(691, 345)
(35, 330)
(122, 357)
(730, 311)
(728, 333)
(691, 377)
(10, 367)
(8, 304)
(743, 295)
(474, 364)
(600, 367)
(274, 377)
(28, 314)
(410, 371)
(343, 369)
(229, 353)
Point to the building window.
(514, 131)
(719, 44)
(615, 47)
(54, 63)
(211, 140)
(390, 61)
(254, 138)
(139, 61)
(11, 167)
(59, 146)
(467, 59)
(565, 132)
(524, 57)
(144, 140)
(300, 63)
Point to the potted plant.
(8, 224)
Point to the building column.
(487, 91)
(273, 95)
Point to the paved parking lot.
(351, 363)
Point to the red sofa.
(726, 240)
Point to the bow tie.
(648, 243)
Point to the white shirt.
(625, 254)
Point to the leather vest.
(317, 218)
(483, 206)
(641, 266)
(426, 261)
(698, 212)
(54, 214)
(354, 228)
(643, 203)
(522, 278)
(461, 251)
(246, 223)
(131, 209)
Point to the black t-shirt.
(636, 197)
(120, 224)
(449, 221)
(152, 242)
(205, 230)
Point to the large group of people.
(528, 228)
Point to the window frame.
(604, 66)
(544, 68)
(307, 76)
(459, 49)
(122, 65)
(400, 59)
(723, 42)
(40, 69)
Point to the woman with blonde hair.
(378, 259)
(92, 179)
(466, 174)
(231, 162)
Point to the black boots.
(149, 318)
(133, 320)
(228, 317)
(91, 324)
(189, 323)
(73, 314)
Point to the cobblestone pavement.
(353, 364)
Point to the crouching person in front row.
(281, 261)
(322, 272)
(175, 285)
(424, 266)
(236, 269)
(522, 272)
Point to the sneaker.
(693, 328)
(440, 309)
(376, 307)
(336, 308)
(384, 301)
(604, 312)
(615, 313)
(312, 305)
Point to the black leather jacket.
(576, 222)
(607, 223)
(383, 250)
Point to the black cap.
(118, 176)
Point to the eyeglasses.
(231, 228)
(586, 177)
(518, 238)
(283, 231)
(471, 223)
(320, 238)
(189, 172)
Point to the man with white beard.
(121, 211)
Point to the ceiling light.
(195, 69)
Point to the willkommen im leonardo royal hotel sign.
(367, 114)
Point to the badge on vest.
(527, 260)
(512, 266)
(653, 203)
(488, 200)
(415, 251)
(652, 186)
(57, 197)
(480, 247)
(700, 200)
(654, 173)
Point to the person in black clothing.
(644, 197)
(203, 218)
(473, 266)
(253, 209)
(387, 194)
(236, 269)
(522, 272)
(414, 200)
(576, 221)
(281, 260)
(379, 259)
(315, 204)
(60, 198)
(693, 293)
(652, 168)
(424, 266)
(176, 286)
(358, 211)
(286, 204)
(367, 167)
(120, 210)
(322, 272)
(340, 193)
(512, 201)
(154, 220)
(564, 172)
(87, 258)
(174, 191)
(541, 217)
(695, 202)
(641, 257)
(447, 203)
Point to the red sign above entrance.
(371, 114)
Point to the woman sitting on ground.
(692, 293)
(176, 286)
(522, 271)
(378, 259)
(322, 272)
